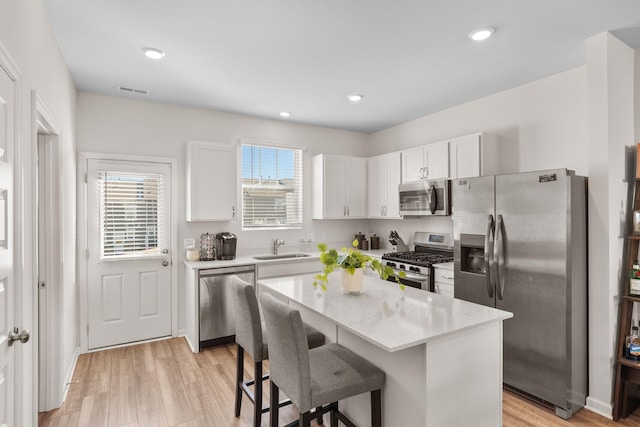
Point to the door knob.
(165, 263)
(15, 335)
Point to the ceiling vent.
(131, 90)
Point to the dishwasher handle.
(227, 270)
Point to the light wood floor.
(164, 384)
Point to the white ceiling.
(409, 58)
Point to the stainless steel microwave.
(422, 198)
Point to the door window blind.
(131, 214)
(271, 187)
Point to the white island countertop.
(383, 314)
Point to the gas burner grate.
(424, 259)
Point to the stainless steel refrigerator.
(520, 245)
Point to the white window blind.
(271, 187)
(131, 214)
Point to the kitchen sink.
(282, 256)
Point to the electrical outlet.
(189, 243)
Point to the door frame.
(83, 244)
(55, 386)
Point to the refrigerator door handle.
(488, 250)
(498, 257)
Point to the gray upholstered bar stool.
(250, 338)
(315, 378)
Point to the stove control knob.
(402, 266)
(391, 264)
(417, 270)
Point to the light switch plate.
(189, 243)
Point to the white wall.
(611, 66)
(25, 33)
(541, 125)
(127, 126)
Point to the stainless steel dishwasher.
(217, 315)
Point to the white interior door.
(129, 267)
(7, 291)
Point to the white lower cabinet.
(384, 177)
(443, 279)
(339, 187)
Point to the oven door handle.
(415, 277)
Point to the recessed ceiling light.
(153, 53)
(285, 114)
(481, 34)
(355, 97)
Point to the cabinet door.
(376, 186)
(392, 168)
(465, 156)
(437, 160)
(355, 186)
(412, 164)
(334, 188)
(211, 181)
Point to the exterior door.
(129, 232)
(8, 389)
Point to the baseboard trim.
(69, 376)
(600, 408)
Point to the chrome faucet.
(276, 244)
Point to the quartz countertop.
(383, 314)
(249, 260)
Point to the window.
(271, 187)
(130, 217)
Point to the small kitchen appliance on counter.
(398, 244)
(207, 247)
(226, 245)
(430, 249)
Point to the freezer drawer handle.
(498, 255)
(488, 251)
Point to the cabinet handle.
(436, 289)
(233, 211)
(381, 210)
(385, 210)
(421, 173)
(446, 277)
(348, 213)
(426, 172)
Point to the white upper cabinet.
(474, 155)
(384, 177)
(211, 181)
(339, 187)
(429, 161)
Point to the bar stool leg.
(273, 405)
(239, 377)
(333, 415)
(257, 395)
(376, 408)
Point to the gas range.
(430, 248)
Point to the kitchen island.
(442, 356)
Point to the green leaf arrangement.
(350, 260)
